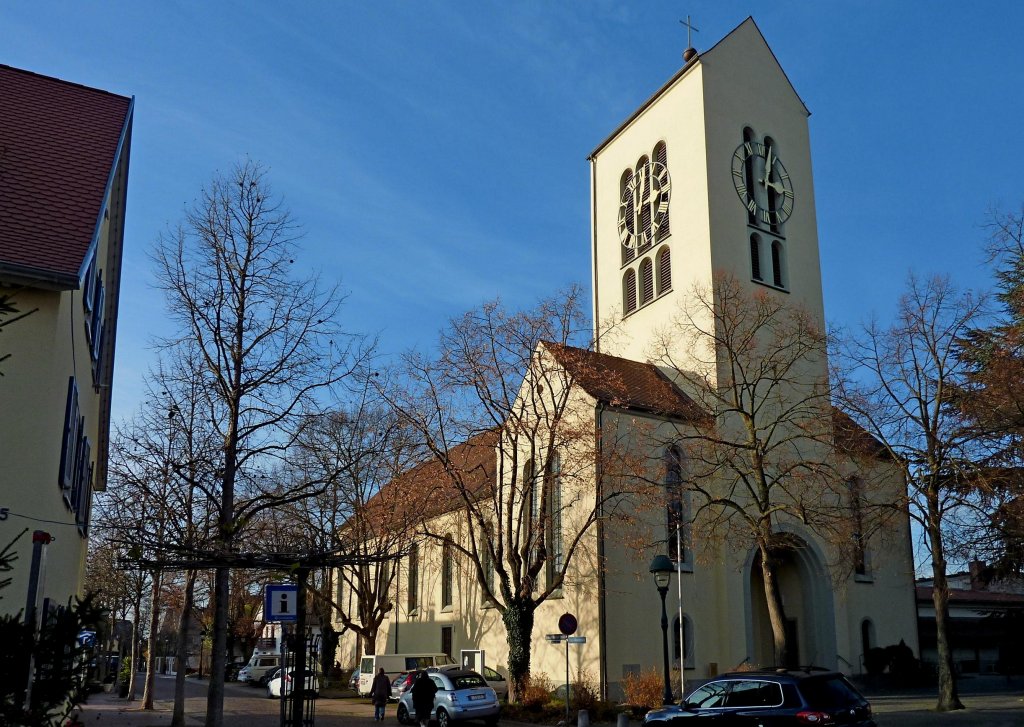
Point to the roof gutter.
(31, 277)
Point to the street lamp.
(662, 569)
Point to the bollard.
(623, 720)
(584, 719)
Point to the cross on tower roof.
(689, 28)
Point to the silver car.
(461, 694)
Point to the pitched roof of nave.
(59, 143)
(624, 383)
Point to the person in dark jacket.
(379, 693)
(423, 691)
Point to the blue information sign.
(280, 602)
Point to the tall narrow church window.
(487, 562)
(629, 292)
(645, 211)
(554, 529)
(755, 257)
(664, 271)
(413, 578)
(855, 491)
(628, 253)
(447, 573)
(748, 172)
(677, 532)
(772, 198)
(661, 157)
(646, 281)
(778, 265)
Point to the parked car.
(461, 694)
(400, 683)
(780, 697)
(494, 680)
(258, 667)
(353, 681)
(282, 682)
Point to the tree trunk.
(776, 612)
(949, 699)
(518, 618)
(133, 669)
(154, 624)
(181, 652)
(215, 691)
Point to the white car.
(282, 682)
(494, 680)
(461, 694)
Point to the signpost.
(567, 626)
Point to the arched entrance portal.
(808, 605)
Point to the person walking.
(423, 691)
(380, 691)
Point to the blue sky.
(435, 152)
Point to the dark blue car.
(771, 698)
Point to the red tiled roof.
(961, 597)
(625, 383)
(58, 145)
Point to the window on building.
(629, 291)
(755, 257)
(677, 530)
(686, 653)
(69, 441)
(661, 157)
(664, 271)
(855, 492)
(748, 172)
(446, 640)
(487, 562)
(778, 265)
(413, 578)
(447, 573)
(646, 281)
(645, 211)
(628, 253)
(867, 635)
(555, 553)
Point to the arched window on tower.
(629, 292)
(748, 172)
(646, 281)
(645, 196)
(664, 271)
(755, 257)
(778, 265)
(661, 157)
(677, 515)
(628, 253)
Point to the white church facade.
(710, 177)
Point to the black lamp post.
(662, 569)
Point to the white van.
(395, 664)
(258, 665)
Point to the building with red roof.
(64, 155)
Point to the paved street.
(248, 707)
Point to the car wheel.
(403, 714)
(443, 720)
(270, 694)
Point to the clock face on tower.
(644, 206)
(771, 199)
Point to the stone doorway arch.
(808, 602)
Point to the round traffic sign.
(567, 624)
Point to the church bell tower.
(711, 174)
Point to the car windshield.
(710, 695)
(828, 692)
(469, 681)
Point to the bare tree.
(765, 453)
(508, 452)
(269, 345)
(900, 383)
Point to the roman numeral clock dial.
(771, 199)
(644, 206)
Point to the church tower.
(711, 174)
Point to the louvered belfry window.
(629, 292)
(645, 211)
(646, 281)
(628, 253)
(664, 271)
(755, 257)
(777, 263)
(661, 157)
